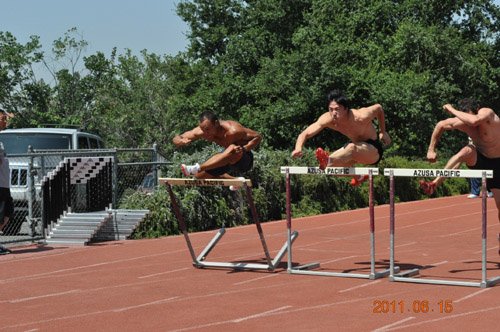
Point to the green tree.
(269, 63)
(19, 89)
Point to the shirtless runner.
(236, 140)
(483, 127)
(357, 124)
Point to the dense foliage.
(209, 208)
(269, 64)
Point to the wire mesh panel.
(80, 184)
(130, 171)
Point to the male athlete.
(357, 125)
(483, 127)
(236, 140)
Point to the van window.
(14, 177)
(93, 143)
(19, 142)
(83, 143)
(17, 179)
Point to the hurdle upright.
(199, 261)
(335, 171)
(448, 173)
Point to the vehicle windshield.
(17, 143)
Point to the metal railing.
(132, 170)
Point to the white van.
(16, 142)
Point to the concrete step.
(68, 223)
(80, 228)
(86, 232)
(66, 241)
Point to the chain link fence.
(132, 170)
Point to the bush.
(206, 208)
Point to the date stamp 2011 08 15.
(415, 306)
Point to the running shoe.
(4, 250)
(322, 157)
(188, 170)
(359, 180)
(428, 187)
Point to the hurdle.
(448, 173)
(336, 171)
(199, 261)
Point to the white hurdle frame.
(448, 173)
(199, 261)
(305, 269)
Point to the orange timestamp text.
(415, 306)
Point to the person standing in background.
(6, 203)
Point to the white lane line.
(472, 295)
(255, 279)
(384, 328)
(163, 273)
(446, 317)
(39, 275)
(439, 263)
(237, 320)
(145, 304)
(404, 245)
(339, 259)
(218, 294)
(24, 299)
(87, 314)
(359, 286)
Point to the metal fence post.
(31, 188)
(114, 181)
(155, 166)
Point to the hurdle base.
(303, 269)
(200, 262)
(309, 266)
(480, 284)
(383, 273)
(490, 282)
(233, 266)
(405, 274)
(329, 274)
(204, 253)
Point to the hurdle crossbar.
(199, 261)
(205, 182)
(406, 276)
(330, 170)
(339, 171)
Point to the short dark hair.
(468, 105)
(208, 115)
(339, 97)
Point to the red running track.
(151, 284)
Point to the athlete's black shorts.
(378, 146)
(483, 162)
(243, 165)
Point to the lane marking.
(472, 295)
(446, 317)
(73, 291)
(237, 320)
(339, 259)
(384, 328)
(145, 304)
(255, 279)
(359, 286)
(163, 273)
